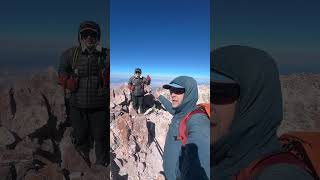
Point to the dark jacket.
(198, 128)
(137, 85)
(89, 67)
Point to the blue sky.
(288, 30)
(34, 33)
(162, 37)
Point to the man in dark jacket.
(136, 85)
(83, 72)
(179, 162)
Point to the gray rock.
(6, 137)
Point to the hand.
(63, 80)
(189, 163)
(148, 80)
(72, 83)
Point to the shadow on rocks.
(152, 132)
(115, 169)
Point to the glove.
(148, 80)
(63, 81)
(189, 163)
(72, 83)
(129, 87)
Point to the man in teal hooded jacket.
(180, 162)
(248, 124)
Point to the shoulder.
(284, 171)
(199, 123)
(69, 52)
(131, 78)
(199, 119)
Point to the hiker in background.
(185, 158)
(136, 85)
(83, 73)
(247, 105)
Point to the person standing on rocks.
(136, 85)
(190, 161)
(83, 73)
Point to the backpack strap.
(304, 146)
(259, 165)
(183, 131)
(75, 58)
(102, 67)
(142, 84)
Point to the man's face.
(223, 103)
(177, 95)
(137, 74)
(222, 116)
(90, 38)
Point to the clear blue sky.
(34, 33)
(287, 29)
(163, 37)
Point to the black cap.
(90, 26)
(137, 70)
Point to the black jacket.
(91, 92)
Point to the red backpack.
(300, 148)
(203, 108)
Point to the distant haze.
(156, 81)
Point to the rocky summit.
(35, 137)
(36, 143)
(137, 140)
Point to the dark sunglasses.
(86, 34)
(224, 93)
(138, 72)
(176, 90)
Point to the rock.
(301, 102)
(97, 172)
(6, 137)
(71, 159)
(47, 146)
(123, 127)
(32, 100)
(5, 172)
(141, 167)
(49, 172)
(118, 163)
(120, 96)
(149, 111)
(14, 156)
(29, 104)
(27, 146)
(140, 132)
(148, 89)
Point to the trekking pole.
(158, 147)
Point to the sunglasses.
(86, 34)
(224, 93)
(138, 72)
(176, 90)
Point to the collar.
(84, 48)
